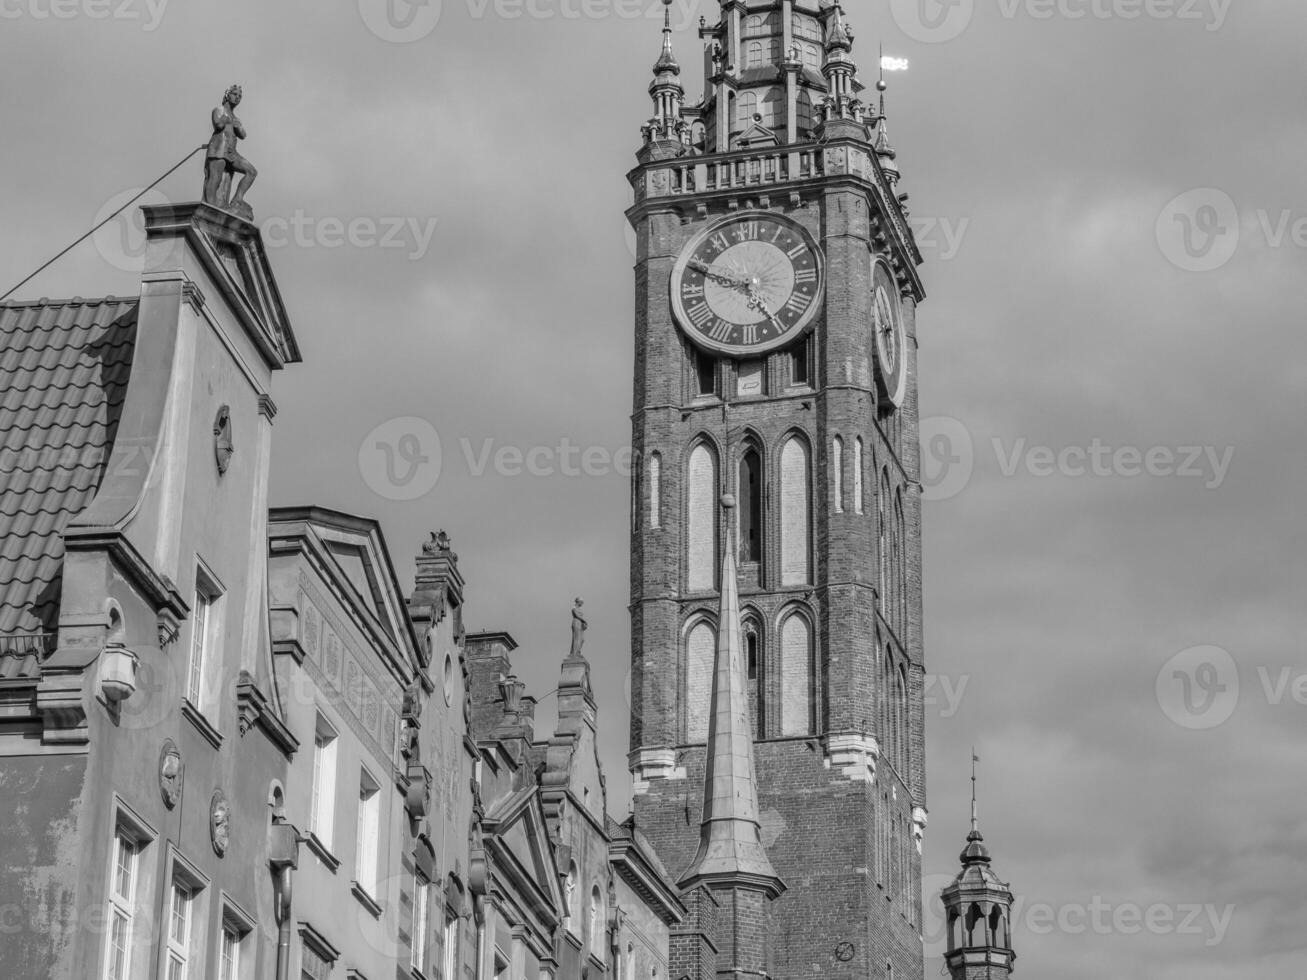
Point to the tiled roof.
(64, 367)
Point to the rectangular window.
(179, 929)
(313, 966)
(229, 962)
(122, 907)
(204, 626)
(799, 372)
(705, 374)
(369, 830)
(451, 945)
(322, 817)
(421, 922)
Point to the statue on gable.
(223, 160)
(579, 626)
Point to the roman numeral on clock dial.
(700, 313)
(798, 303)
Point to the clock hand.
(718, 277)
(756, 302)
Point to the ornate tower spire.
(666, 90)
(840, 69)
(979, 910)
(884, 149)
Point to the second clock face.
(891, 339)
(748, 284)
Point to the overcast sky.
(1113, 214)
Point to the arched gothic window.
(655, 478)
(796, 676)
(754, 673)
(701, 520)
(796, 549)
(596, 922)
(858, 502)
(700, 648)
(750, 503)
(572, 900)
(837, 473)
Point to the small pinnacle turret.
(666, 90)
(885, 151)
(979, 909)
(840, 72)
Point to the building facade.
(231, 748)
(775, 360)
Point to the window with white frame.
(232, 956)
(123, 881)
(322, 817)
(369, 831)
(204, 627)
(451, 945)
(181, 908)
(229, 956)
(313, 965)
(421, 922)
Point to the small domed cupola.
(979, 909)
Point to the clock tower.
(775, 361)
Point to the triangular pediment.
(757, 135)
(515, 830)
(352, 557)
(233, 254)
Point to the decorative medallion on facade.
(222, 442)
(219, 822)
(171, 773)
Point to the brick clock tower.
(776, 361)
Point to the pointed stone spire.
(730, 844)
(667, 60)
(885, 151)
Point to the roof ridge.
(14, 304)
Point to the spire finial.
(975, 820)
(667, 59)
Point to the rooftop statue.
(223, 160)
(579, 626)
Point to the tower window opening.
(705, 374)
(751, 507)
(799, 372)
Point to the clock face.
(887, 322)
(748, 284)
